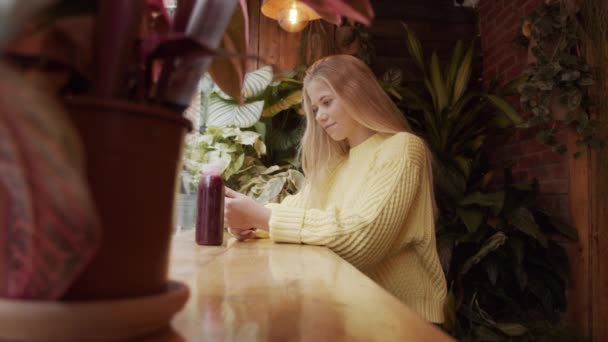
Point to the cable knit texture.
(377, 214)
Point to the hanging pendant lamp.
(292, 15)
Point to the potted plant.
(127, 73)
(559, 79)
(239, 136)
(503, 255)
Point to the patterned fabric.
(377, 214)
(49, 228)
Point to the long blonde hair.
(365, 101)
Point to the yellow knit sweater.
(377, 214)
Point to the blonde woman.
(369, 194)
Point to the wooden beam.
(579, 292)
(588, 296)
(588, 292)
(276, 46)
(598, 244)
(253, 7)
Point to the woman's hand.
(242, 213)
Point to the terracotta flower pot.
(133, 153)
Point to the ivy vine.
(559, 79)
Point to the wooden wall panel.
(588, 295)
(441, 11)
(253, 7)
(579, 292)
(289, 45)
(598, 241)
(438, 24)
(272, 44)
(588, 292)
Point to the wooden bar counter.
(264, 291)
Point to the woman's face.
(330, 113)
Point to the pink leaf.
(158, 10)
(66, 43)
(182, 15)
(331, 10)
(172, 44)
(246, 22)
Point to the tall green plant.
(505, 267)
(282, 118)
(455, 119)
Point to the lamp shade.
(272, 8)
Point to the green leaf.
(284, 103)
(565, 229)
(271, 190)
(445, 247)
(218, 158)
(222, 113)
(521, 276)
(464, 164)
(260, 127)
(429, 88)
(463, 75)
(449, 181)
(235, 166)
(297, 178)
(505, 107)
(413, 100)
(502, 121)
(438, 83)
(391, 90)
(512, 329)
(259, 147)
(257, 81)
(248, 137)
(456, 111)
(517, 247)
(491, 244)
(455, 60)
(492, 200)
(449, 310)
(472, 217)
(492, 270)
(393, 77)
(483, 333)
(414, 47)
(271, 169)
(523, 220)
(512, 87)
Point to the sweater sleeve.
(364, 232)
(297, 200)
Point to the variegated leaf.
(283, 104)
(257, 81)
(222, 113)
(249, 137)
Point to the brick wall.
(499, 22)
